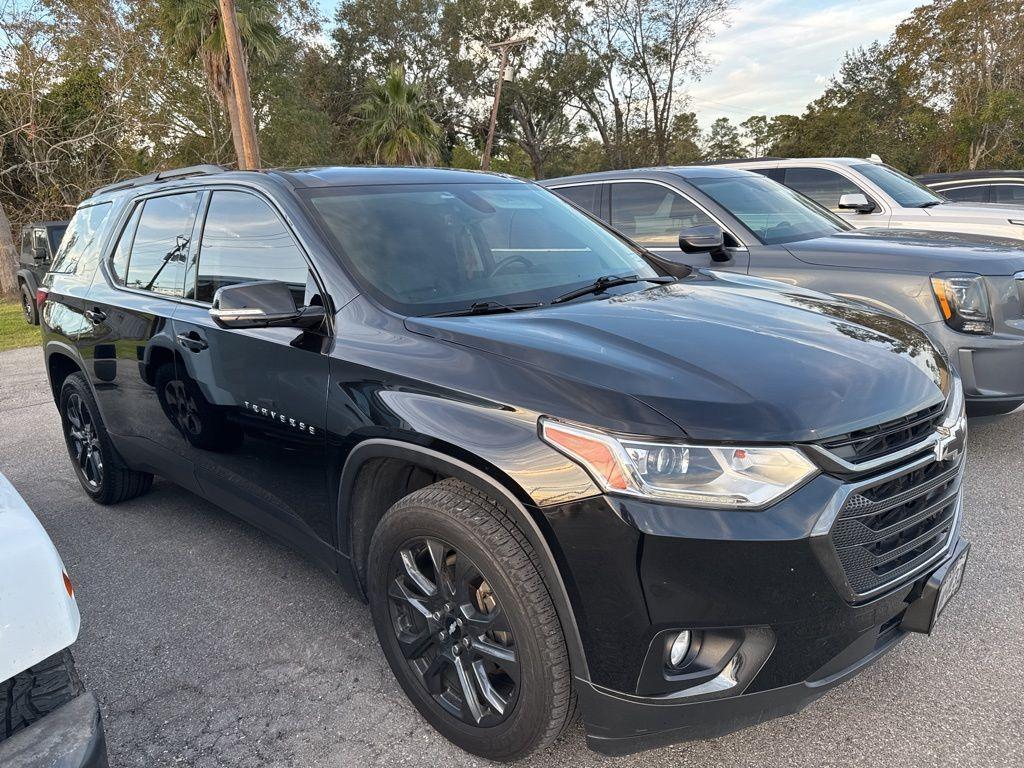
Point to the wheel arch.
(27, 277)
(61, 362)
(367, 469)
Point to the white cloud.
(774, 56)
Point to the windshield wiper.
(487, 308)
(930, 203)
(609, 281)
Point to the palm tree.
(395, 126)
(195, 28)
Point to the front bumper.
(775, 591)
(991, 367)
(618, 724)
(69, 737)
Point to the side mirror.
(856, 201)
(39, 253)
(705, 238)
(260, 304)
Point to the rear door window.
(823, 186)
(976, 194)
(79, 249)
(244, 240)
(653, 215)
(586, 196)
(1008, 193)
(160, 247)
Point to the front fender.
(38, 617)
(441, 463)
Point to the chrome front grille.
(883, 439)
(889, 528)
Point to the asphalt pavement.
(208, 643)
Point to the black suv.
(558, 468)
(39, 242)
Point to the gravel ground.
(210, 644)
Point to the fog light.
(679, 648)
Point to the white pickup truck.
(47, 719)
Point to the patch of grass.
(14, 331)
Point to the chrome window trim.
(941, 186)
(640, 180)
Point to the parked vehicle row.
(872, 194)
(565, 466)
(999, 187)
(964, 290)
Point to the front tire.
(467, 623)
(100, 470)
(36, 692)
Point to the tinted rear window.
(79, 248)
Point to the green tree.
(194, 27)
(723, 141)
(684, 143)
(757, 130)
(395, 125)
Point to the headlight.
(963, 301)
(697, 475)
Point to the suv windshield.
(428, 248)
(773, 213)
(900, 187)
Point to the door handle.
(95, 316)
(192, 341)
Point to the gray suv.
(965, 291)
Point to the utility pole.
(504, 46)
(250, 159)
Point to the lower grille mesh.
(885, 531)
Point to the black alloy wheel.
(453, 632)
(98, 466)
(83, 442)
(466, 621)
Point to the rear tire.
(37, 692)
(99, 468)
(28, 305)
(492, 673)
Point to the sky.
(775, 56)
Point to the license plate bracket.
(923, 613)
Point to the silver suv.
(868, 193)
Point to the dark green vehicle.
(39, 242)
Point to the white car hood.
(977, 211)
(37, 616)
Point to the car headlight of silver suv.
(963, 301)
(719, 476)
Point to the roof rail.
(738, 160)
(173, 173)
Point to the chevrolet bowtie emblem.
(951, 440)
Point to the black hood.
(725, 357)
(913, 250)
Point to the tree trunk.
(250, 156)
(8, 259)
(227, 99)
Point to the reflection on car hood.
(725, 357)
(913, 251)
